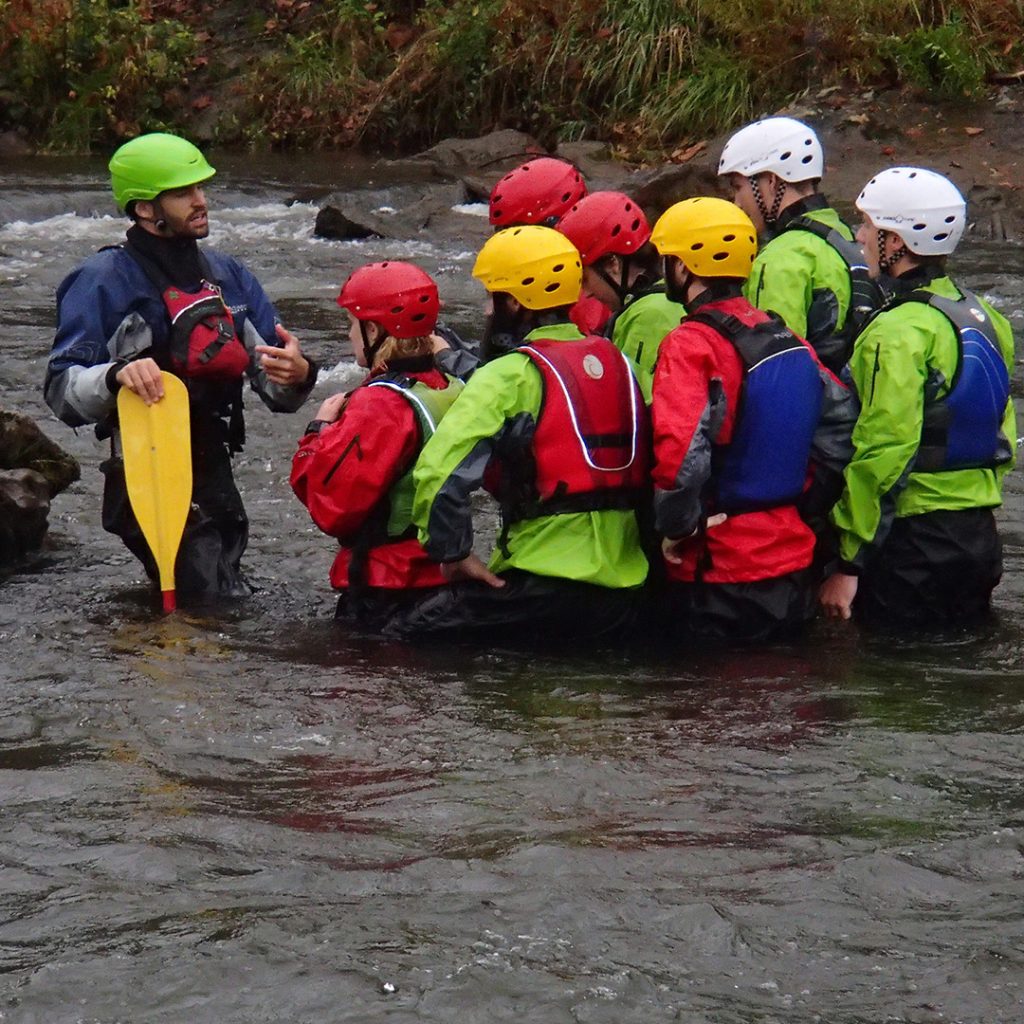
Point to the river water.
(253, 815)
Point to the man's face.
(184, 212)
(743, 197)
(596, 285)
(867, 236)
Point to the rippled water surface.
(251, 815)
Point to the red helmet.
(603, 223)
(537, 192)
(398, 296)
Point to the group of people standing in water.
(707, 427)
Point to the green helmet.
(151, 164)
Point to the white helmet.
(924, 208)
(782, 145)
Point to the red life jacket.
(202, 343)
(591, 444)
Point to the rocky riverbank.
(980, 146)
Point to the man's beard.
(503, 332)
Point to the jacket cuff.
(848, 568)
(110, 379)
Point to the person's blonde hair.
(402, 348)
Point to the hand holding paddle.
(144, 378)
(157, 450)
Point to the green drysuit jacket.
(892, 359)
(797, 270)
(502, 400)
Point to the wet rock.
(595, 163)
(24, 446)
(495, 153)
(334, 223)
(32, 471)
(432, 213)
(657, 189)
(994, 215)
(24, 506)
(477, 188)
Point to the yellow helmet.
(712, 237)
(536, 265)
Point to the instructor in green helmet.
(158, 302)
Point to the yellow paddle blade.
(157, 449)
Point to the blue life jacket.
(963, 428)
(765, 464)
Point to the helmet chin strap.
(620, 287)
(772, 215)
(885, 262)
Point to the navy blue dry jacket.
(108, 310)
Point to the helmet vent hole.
(808, 142)
(912, 174)
(397, 309)
(628, 207)
(807, 159)
(786, 155)
(950, 219)
(417, 317)
(553, 287)
(527, 281)
(719, 256)
(616, 230)
(424, 298)
(558, 268)
(940, 236)
(566, 196)
(920, 227)
(696, 246)
(728, 238)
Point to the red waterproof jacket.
(697, 390)
(342, 474)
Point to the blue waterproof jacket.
(108, 311)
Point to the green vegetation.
(74, 73)
(399, 74)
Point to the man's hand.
(470, 568)
(836, 595)
(287, 366)
(438, 344)
(672, 550)
(143, 377)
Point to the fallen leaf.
(973, 131)
(681, 156)
(202, 103)
(913, 133)
(888, 151)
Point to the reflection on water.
(248, 814)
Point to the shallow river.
(256, 816)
